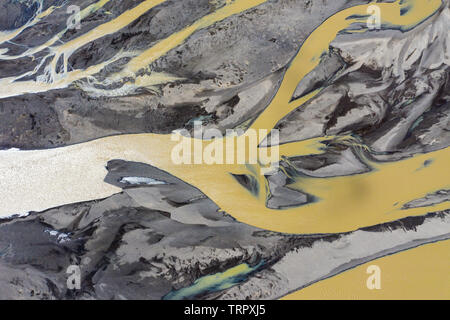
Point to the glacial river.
(37, 180)
(48, 178)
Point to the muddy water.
(419, 273)
(35, 180)
(53, 79)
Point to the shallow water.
(419, 273)
(214, 282)
(41, 179)
(50, 178)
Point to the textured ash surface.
(231, 70)
(149, 240)
(146, 241)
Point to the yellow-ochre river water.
(53, 177)
(40, 179)
(419, 273)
